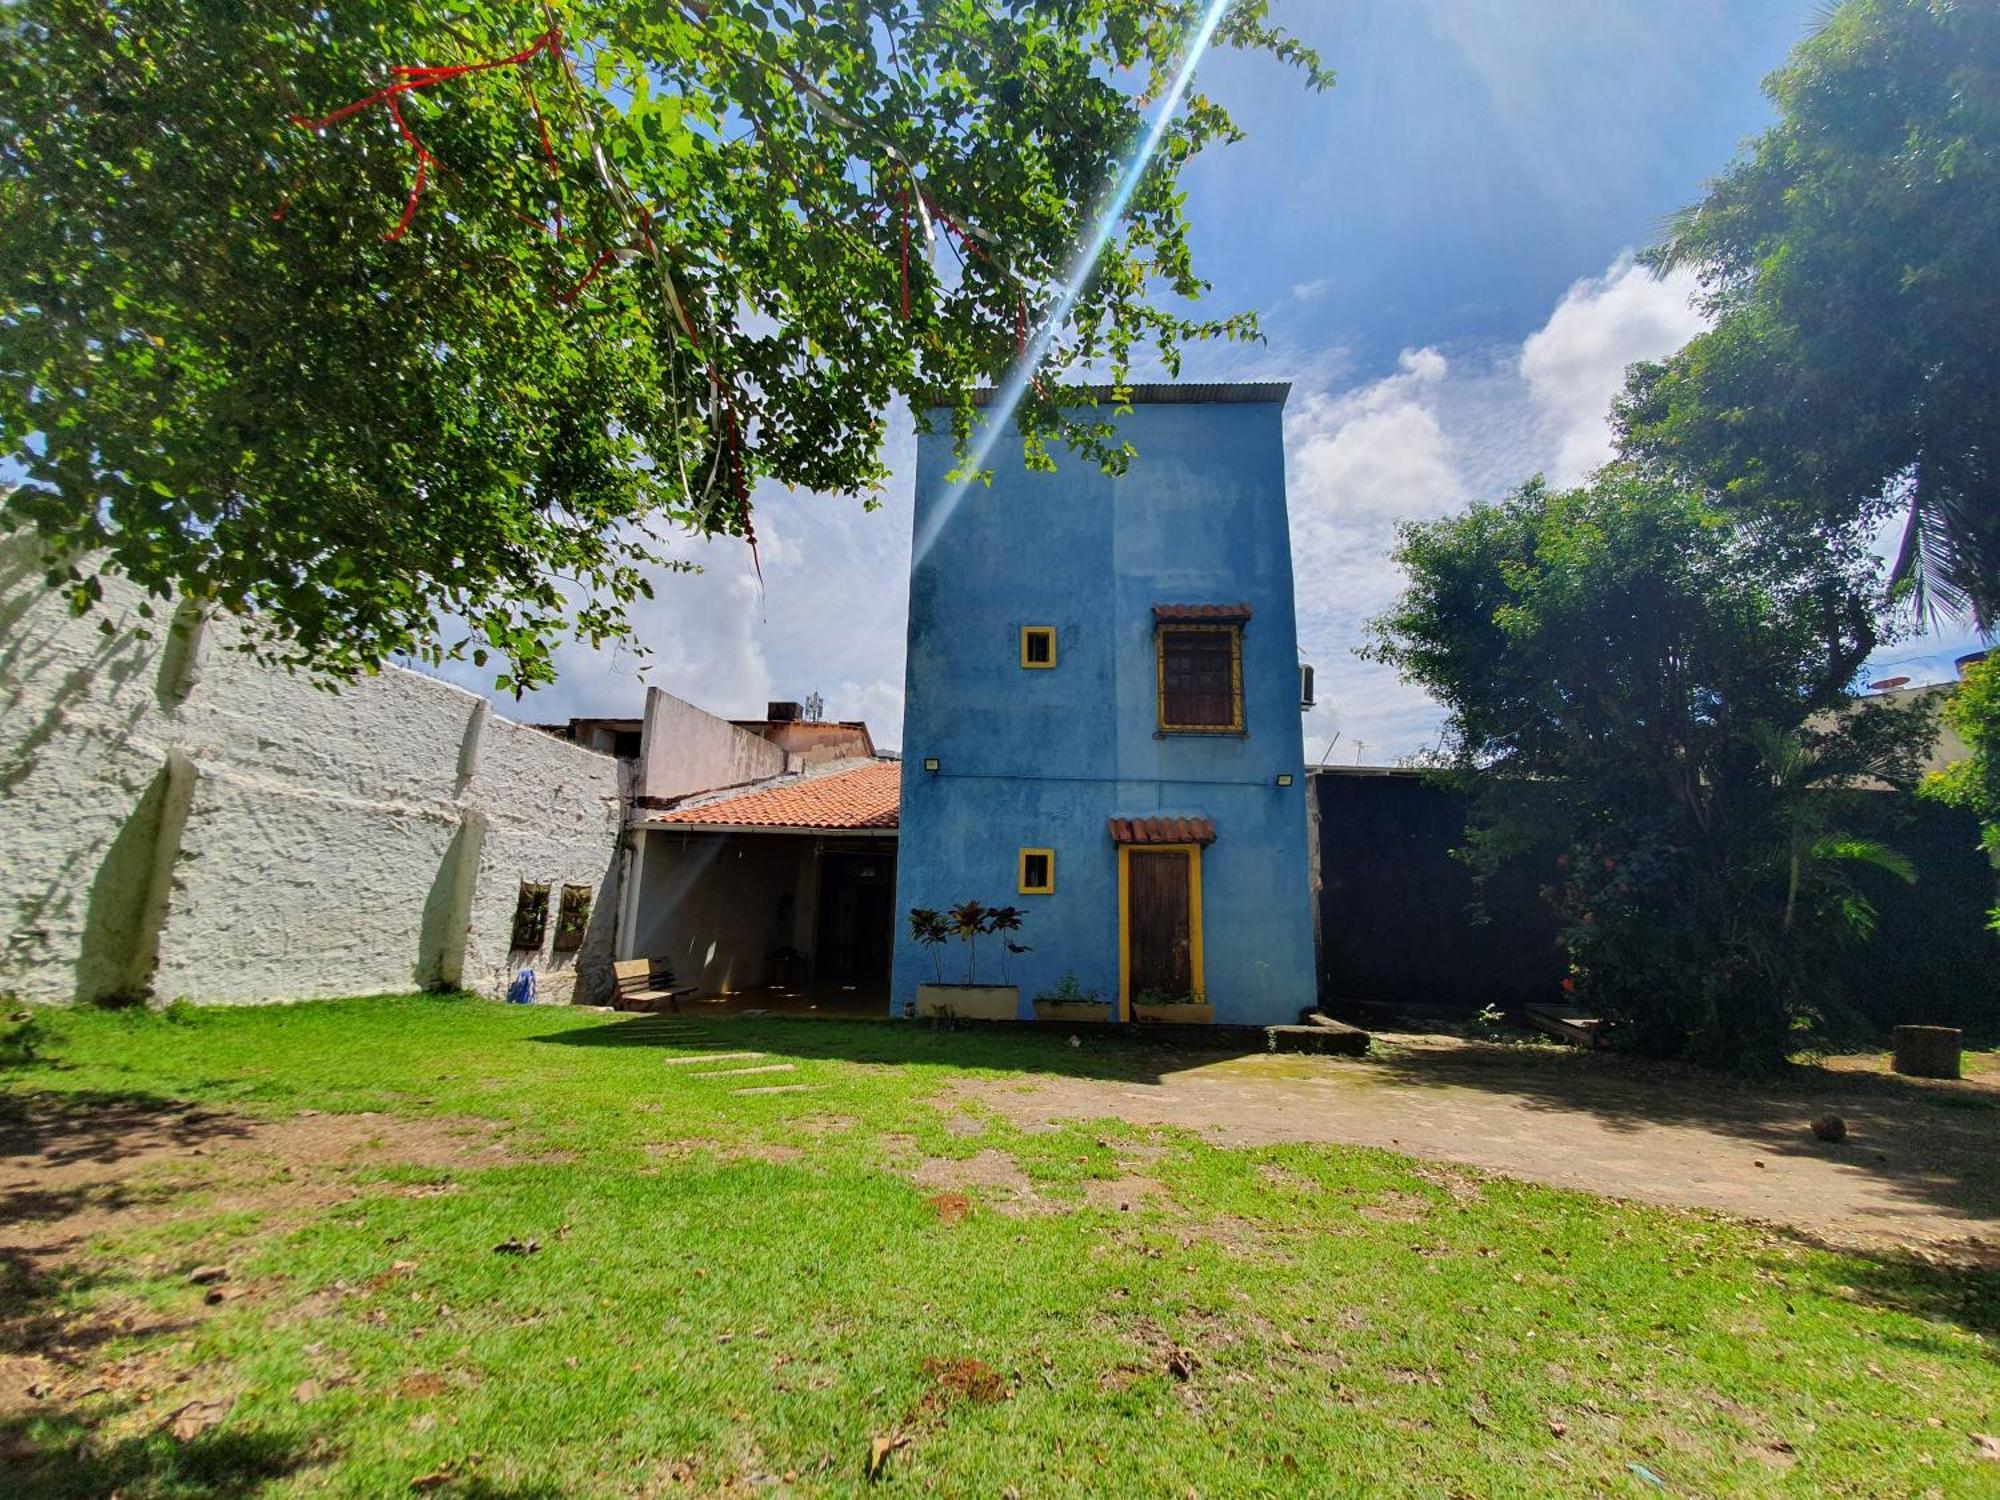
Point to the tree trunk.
(1928, 1051)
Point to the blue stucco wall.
(1043, 759)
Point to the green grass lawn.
(738, 1292)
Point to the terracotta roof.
(1181, 614)
(866, 797)
(1162, 831)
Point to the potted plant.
(1162, 1008)
(1071, 1002)
(970, 1001)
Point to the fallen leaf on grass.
(1557, 1427)
(433, 1479)
(879, 1449)
(1181, 1363)
(517, 1247)
(208, 1275)
(306, 1390)
(192, 1420)
(1987, 1444)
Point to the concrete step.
(1324, 1035)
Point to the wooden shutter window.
(572, 918)
(531, 918)
(1201, 678)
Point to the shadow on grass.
(55, 1454)
(1121, 1054)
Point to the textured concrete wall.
(176, 821)
(689, 751)
(1043, 759)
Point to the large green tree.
(1649, 703)
(1848, 259)
(353, 316)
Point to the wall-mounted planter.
(1073, 1011)
(970, 1002)
(1175, 1015)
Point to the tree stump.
(1928, 1051)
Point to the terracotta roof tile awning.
(1162, 831)
(1201, 614)
(866, 797)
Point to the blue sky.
(1440, 251)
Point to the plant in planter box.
(930, 929)
(1070, 1001)
(1182, 1007)
(1002, 920)
(968, 921)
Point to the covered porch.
(779, 899)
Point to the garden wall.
(177, 821)
(1397, 924)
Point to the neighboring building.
(763, 856)
(1102, 713)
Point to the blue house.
(1102, 717)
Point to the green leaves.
(1847, 257)
(1650, 704)
(235, 381)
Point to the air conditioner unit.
(1305, 687)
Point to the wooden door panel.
(1160, 929)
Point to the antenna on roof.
(815, 706)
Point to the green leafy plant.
(1649, 700)
(1845, 260)
(1069, 990)
(1004, 921)
(1973, 711)
(930, 929)
(968, 921)
(398, 329)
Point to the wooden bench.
(642, 985)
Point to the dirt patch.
(1917, 1169)
(963, 1379)
(72, 1169)
(994, 1174)
(1397, 1208)
(949, 1207)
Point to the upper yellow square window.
(1038, 872)
(1038, 645)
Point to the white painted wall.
(687, 750)
(189, 823)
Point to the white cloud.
(1420, 443)
(1575, 363)
(1307, 291)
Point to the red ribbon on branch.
(407, 78)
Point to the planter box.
(1175, 1015)
(1074, 1010)
(970, 1002)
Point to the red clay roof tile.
(1204, 614)
(1162, 831)
(866, 797)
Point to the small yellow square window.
(1038, 645)
(1038, 872)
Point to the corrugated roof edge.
(1174, 393)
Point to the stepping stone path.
(709, 1057)
(679, 1032)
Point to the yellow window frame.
(1021, 873)
(1047, 630)
(1235, 634)
(1196, 971)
